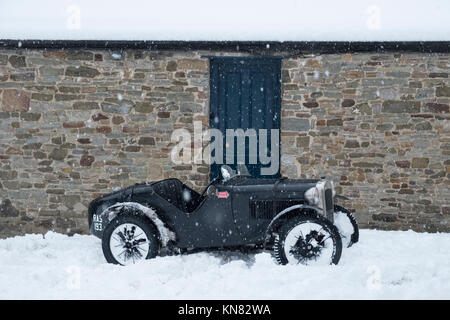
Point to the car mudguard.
(165, 234)
(286, 211)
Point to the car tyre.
(130, 238)
(307, 238)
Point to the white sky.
(277, 20)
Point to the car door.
(212, 224)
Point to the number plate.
(97, 222)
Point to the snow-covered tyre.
(308, 238)
(128, 239)
(347, 225)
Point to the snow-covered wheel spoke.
(125, 250)
(305, 244)
(129, 239)
(308, 239)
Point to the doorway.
(246, 94)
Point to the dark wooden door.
(245, 93)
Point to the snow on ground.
(383, 265)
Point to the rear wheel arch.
(164, 233)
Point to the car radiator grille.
(328, 199)
(329, 206)
(264, 209)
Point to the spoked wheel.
(129, 239)
(347, 226)
(308, 239)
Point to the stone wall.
(379, 124)
(76, 124)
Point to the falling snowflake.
(119, 97)
(186, 195)
(316, 75)
(116, 56)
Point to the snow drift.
(383, 265)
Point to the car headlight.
(312, 196)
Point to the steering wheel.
(209, 184)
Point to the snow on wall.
(263, 20)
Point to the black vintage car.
(296, 218)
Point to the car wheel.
(309, 239)
(128, 239)
(347, 226)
